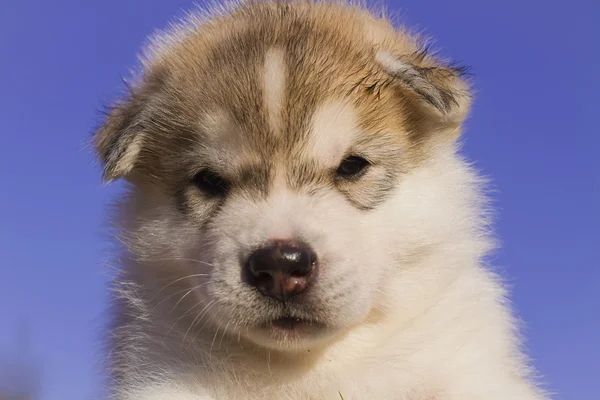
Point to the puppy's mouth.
(289, 323)
(292, 327)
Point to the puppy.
(299, 223)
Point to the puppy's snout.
(282, 269)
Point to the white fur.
(333, 128)
(441, 328)
(274, 87)
(412, 312)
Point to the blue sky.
(533, 130)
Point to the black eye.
(352, 167)
(211, 184)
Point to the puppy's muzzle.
(282, 269)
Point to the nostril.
(300, 272)
(257, 274)
(261, 275)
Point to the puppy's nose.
(282, 269)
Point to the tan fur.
(272, 97)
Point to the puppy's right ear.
(118, 141)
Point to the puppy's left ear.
(439, 93)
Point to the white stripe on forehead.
(333, 129)
(274, 87)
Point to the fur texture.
(232, 136)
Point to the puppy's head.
(266, 150)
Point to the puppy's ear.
(439, 92)
(119, 140)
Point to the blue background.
(534, 130)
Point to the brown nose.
(281, 269)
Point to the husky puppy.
(299, 223)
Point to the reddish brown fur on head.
(401, 93)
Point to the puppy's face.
(266, 153)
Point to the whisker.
(183, 316)
(177, 280)
(175, 294)
(183, 259)
(205, 322)
(184, 296)
(213, 341)
(205, 309)
(223, 335)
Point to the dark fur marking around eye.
(369, 193)
(211, 184)
(203, 211)
(255, 178)
(182, 203)
(352, 167)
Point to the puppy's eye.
(211, 184)
(352, 167)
